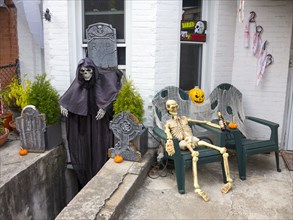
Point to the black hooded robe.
(89, 139)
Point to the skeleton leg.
(220, 149)
(226, 188)
(194, 155)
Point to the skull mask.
(172, 107)
(86, 72)
(199, 28)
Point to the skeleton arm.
(100, 114)
(169, 146)
(64, 111)
(204, 122)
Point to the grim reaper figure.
(87, 106)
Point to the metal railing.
(8, 72)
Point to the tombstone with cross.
(125, 129)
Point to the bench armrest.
(161, 134)
(262, 121)
(272, 125)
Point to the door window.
(190, 52)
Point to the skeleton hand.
(100, 114)
(170, 147)
(64, 111)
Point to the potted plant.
(4, 132)
(129, 100)
(45, 98)
(15, 96)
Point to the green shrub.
(45, 97)
(129, 100)
(15, 94)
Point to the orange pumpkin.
(196, 95)
(232, 125)
(118, 159)
(22, 152)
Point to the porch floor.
(265, 194)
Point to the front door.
(287, 132)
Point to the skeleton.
(178, 127)
(87, 73)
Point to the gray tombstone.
(102, 48)
(125, 129)
(31, 127)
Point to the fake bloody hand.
(170, 147)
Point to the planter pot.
(16, 112)
(12, 124)
(8, 117)
(53, 136)
(4, 137)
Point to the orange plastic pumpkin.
(196, 95)
(22, 152)
(118, 158)
(232, 125)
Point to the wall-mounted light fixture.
(47, 15)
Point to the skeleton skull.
(199, 28)
(172, 107)
(86, 72)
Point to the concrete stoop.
(107, 194)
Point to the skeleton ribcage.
(180, 128)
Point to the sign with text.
(193, 31)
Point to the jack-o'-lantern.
(196, 95)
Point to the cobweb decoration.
(226, 99)
(161, 115)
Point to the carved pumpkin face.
(196, 95)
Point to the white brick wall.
(223, 50)
(268, 99)
(142, 32)
(167, 44)
(56, 39)
(154, 47)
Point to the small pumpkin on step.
(23, 152)
(118, 159)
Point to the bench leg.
(180, 175)
(277, 161)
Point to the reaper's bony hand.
(100, 114)
(64, 111)
(170, 147)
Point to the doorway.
(287, 131)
